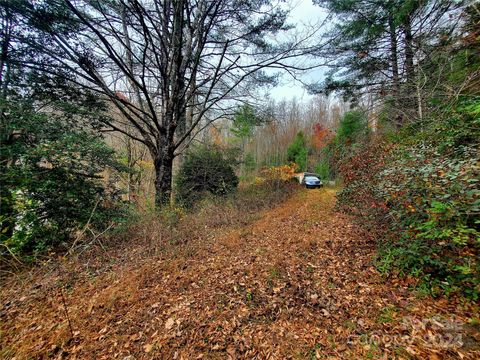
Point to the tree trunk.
(395, 73)
(409, 69)
(130, 168)
(419, 97)
(163, 177)
(7, 222)
(394, 56)
(410, 91)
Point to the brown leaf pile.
(298, 283)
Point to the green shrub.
(352, 133)
(297, 151)
(51, 183)
(435, 199)
(424, 192)
(249, 163)
(322, 169)
(353, 126)
(206, 170)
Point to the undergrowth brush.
(421, 193)
(173, 231)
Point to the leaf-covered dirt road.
(299, 282)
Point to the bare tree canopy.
(169, 67)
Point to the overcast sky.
(303, 14)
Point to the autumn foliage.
(361, 195)
(279, 173)
(421, 198)
(321, 136)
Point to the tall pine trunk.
(409, 54)
(395, 73)
(410, 86)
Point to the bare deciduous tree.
(170, 67)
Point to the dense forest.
(123, 115)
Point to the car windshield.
(311, 178)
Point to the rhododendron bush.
(423, 198)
